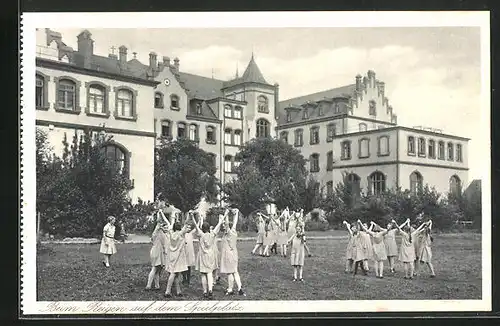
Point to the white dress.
(108, 246)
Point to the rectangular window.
(299, 138)
(364, 148)
(237, 137)
(210, 135)
(459, 153)
(181, 131)
(411, 145)
(228, 164)
(331, 132)
(228, 111)
(346, 150)
(314, 136)
(383, 146)
(165, 129)
(421, 147)
(329, 161)
(237, 112)
(228, 137)
(450, 152)
(288, 117)
(432, 149)
(39, 92)
(441, 150)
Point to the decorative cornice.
(203, 118)
(51, 64)
(94, 127)
(223, 99)
(396, 162)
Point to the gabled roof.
(347, 91)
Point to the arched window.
(262, 104)
(441, 150)
(353, 183)
(181, 130)
(166, 128)
(228, 136)
(237, 112)
(124, 103)
(66, 95)
(416, 183)
(455, 185)
(174, 102)
(383, 145)
(237, 137)
(411, 145)
(228, 164)
(158, 100)
(284, 136)
(262, 128)
(96, 100)
(211, 138)
(363, 126)
(39, 92)
(377, 183)
(431, 149)
(329, 161)
(193, 132)
(345, 148)
(450, 152)
(364, 148)
(421, 146)
(228, 111)
(314, 162)
(118, 157)
(299, 137)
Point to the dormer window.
(305, 114)
(289, 116)
(320, 110)
(198, 109)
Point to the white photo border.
(30, 21)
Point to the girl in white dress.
(177, 260)
(349, 262)
(391, 247)
(108, 246)
(229, 254)
(425, 251)
(282, 232)
(378, 247)
(297, 252)
(269, 234)
(261, 230)
(407, 248)
(206, 258)
(298, 220)
(157, 253)
(368, 245)
(190, 254)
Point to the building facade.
(76, 90)
(347, 133)
(351, 134)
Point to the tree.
(184, 174)
(268, 166)
(83, 188)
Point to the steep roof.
(201, 87)
(252, 74)
(311, 101)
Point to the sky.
(432, 74)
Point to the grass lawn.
(68, 272)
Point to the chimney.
(176, 64)
(122, 50)
(358, 82)
(86, 47)
(371, 78)
(152, 60)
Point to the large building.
(351, 130)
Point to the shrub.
(316, 225)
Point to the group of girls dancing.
(283, 231)
(173, 251)
(379, 244)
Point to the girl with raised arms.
(378, 245)
(229, 254)
(407, 249)
(157, 253)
